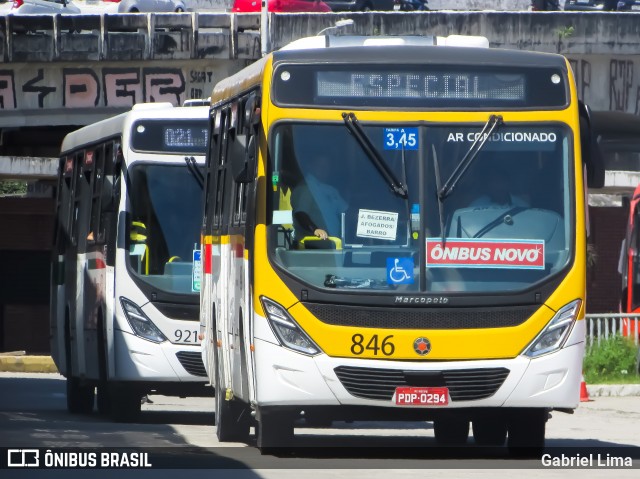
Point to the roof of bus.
(408, 54)
(421, 54)
(117, 125)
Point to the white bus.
(125, 267)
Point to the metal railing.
(602, 326)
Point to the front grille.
(381, 384)
(192, 362)
(412, 318)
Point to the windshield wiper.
(356, 130)
(436, 168)
(493, 122)
(192, 166)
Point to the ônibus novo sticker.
(480, 253)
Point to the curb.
(613, 390)
(27, 364)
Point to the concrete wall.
(603, 48)
(122, 59)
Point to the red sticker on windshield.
(479, 253)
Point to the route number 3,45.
(360, 344)
(400, 138)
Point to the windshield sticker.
(196, 271)
(377, 224)
(400, 270)
(282, 217)
(400, 138)
(507, 140)
(478, 253)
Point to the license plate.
(410, 396)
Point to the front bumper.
(137, 359)
(288, 379)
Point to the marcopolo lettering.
(421, 300)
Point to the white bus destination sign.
(485, 87)
(177, 136)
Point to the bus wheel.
(489, 431)
(274, 432)
(233, 421)
(451, 431)
(526, 433)
(125, 403)
(80, 398)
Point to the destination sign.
(413, 87)
(432, 84)
(171, 136)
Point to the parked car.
(279, 6)
(145, 6)
(411, 5)
(598, 5)
(545, 5)
(26, 7)
(362, 5)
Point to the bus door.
(60, 264)
(95, 266)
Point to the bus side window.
(242, 157)
(96, 233)
(220, 167)
(76, 195)
(111, 197)
(210, 169)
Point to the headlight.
(287, 330)
(140, 323)
(554, 335)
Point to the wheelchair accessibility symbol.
(400, 270)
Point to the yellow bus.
(395, 230)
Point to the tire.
(451, 431)
(274, 432)
(125, 403)
(526, 433)
(80, 398)
(489, 431)
(233, 421)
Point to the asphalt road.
(179, 434)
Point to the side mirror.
(626, 205)
(252, 111)
(243, 166)
(106, 202)
(591, 155)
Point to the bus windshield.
(163, 231)
(337, 223)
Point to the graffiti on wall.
(46, 88)
(607, 83)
